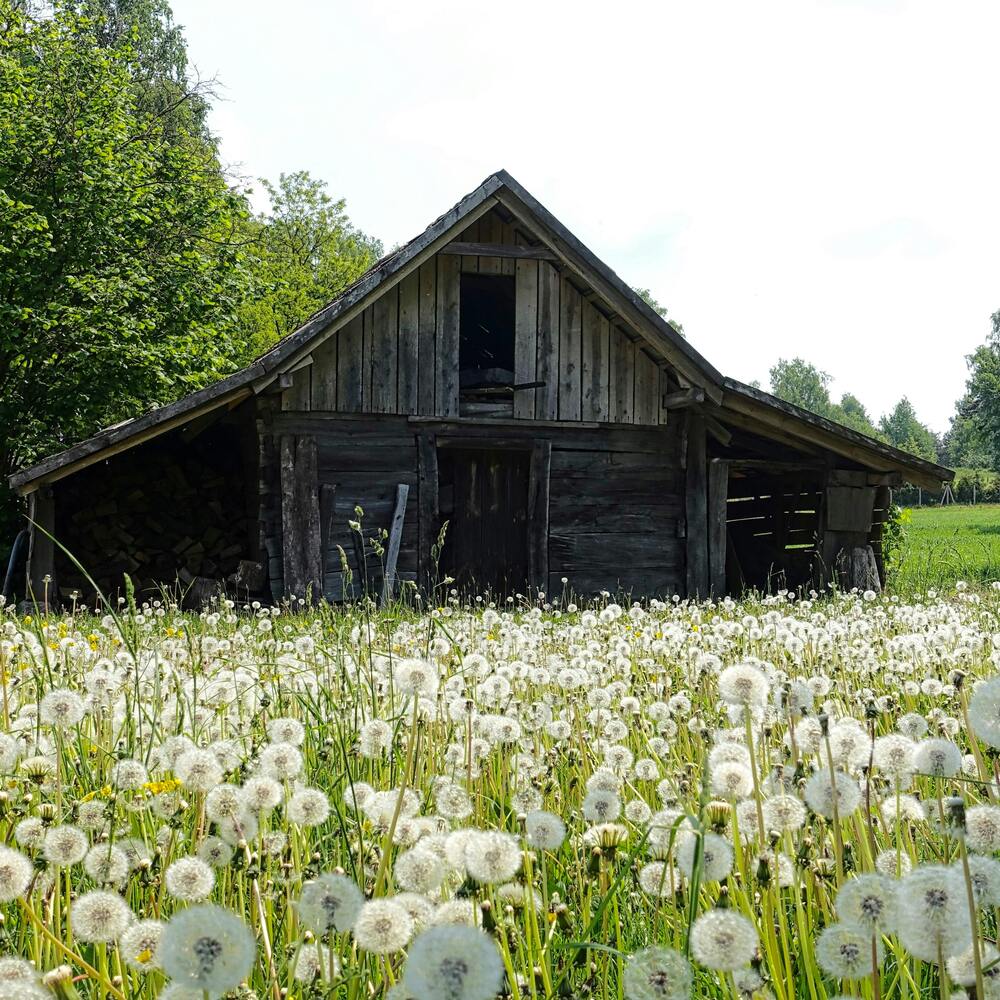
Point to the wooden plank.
(539, 477)
(596, 367)
(547, 353)
(408, 369)
(508, 264)
(848, 477)
(489, 234)
(428, 517)
(525, 335)
(647, 389)
(570, 354)
(427, 320)
(385, 347)
(299, 396)
(446, 391)
(368, 358)
(696, 528)
(323, 375)
(500, 250)
(718, 484)
(327, 504)
(395, 536)
(469, 263)
(40, 578)
(622, 380)
(349, 366)
(849, 508)
(300, 517)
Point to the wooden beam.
(682, 398)
(498, 250)
(428, 511)
(696, 508)
(395, 537)
(41, 570)
(539, 472)
(718, 491)
(720, 433)
(300, 518)
(772, 465)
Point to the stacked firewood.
(162, 517)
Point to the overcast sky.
(813, 178)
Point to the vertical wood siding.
(401, 354)
(615, 499)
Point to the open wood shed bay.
(495, 375)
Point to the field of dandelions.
(780, 798)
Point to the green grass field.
(944, 544)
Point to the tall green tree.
(306, 253)
(903, 430)
(802, 384)
(851, 412)
(964, 445)
(122, 261)
(978, 415)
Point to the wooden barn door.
(486, 547)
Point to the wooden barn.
(495, 375)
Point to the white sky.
(790, 177)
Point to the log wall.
(614, 505)
(400, 355)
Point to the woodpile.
(163, 516)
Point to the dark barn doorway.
(484, 497)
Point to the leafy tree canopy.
(903, 430)
(121, 265)
(975, 430)
(801, 384)
(307, 252)
(131, 268)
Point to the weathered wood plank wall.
(615, 498)
(401, 354)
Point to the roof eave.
(836, 437)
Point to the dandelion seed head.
(208, 948)
(189, 879)
(329, 902)
(100, 916)
(723, 939)
(657, 974)
(383, 927)
(453, 963)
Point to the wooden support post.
(697, 508)
(428, 515)
(41, 569)
(718, 492)
(395, 536)
(538, 514)
(300, 518)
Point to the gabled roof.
(292, 351)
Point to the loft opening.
(486, 333)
